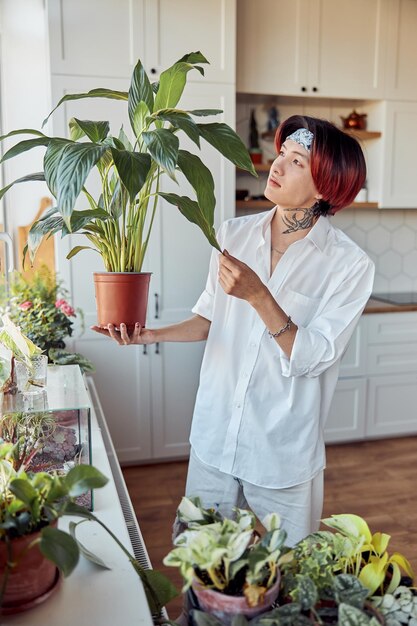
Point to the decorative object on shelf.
(40, 307)
(118, 224)
(31, 379)
(230, 568)
(273, 119)
(33, 552)
(355, 120)
(242, 194)
(254, 148)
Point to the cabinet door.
(346, 421)
(96, 38)
(401, 57)
(347, 53)
(354, 359)
(272, 46)
(399, 181)
(392, 402)
(174, 381)
(176, 28)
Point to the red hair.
(337, 163)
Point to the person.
(280, 305)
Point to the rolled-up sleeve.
(323, 341)
(205, 303)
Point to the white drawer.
(392, 358)
(353, 362)
(386, 328)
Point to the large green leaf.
(49, 224)
(158, 588)
(139, 118)
(133, 168)
(79, 219)
(201, 179)
(82, 478)
(140, 91)
(74, 166)
(23, 131)
(226, 141)
(51, 161)
(38, 176)
(95, 131)
(205, 112)
(172, 81)
(60, 548)
(24, 146)
(179, 119)
(163, 147)
(90, 556)
(190, 209)
(23, 490)
(94, 93)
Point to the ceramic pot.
(121, 297)
(225, 607)
(31, 581)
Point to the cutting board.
(46, 251)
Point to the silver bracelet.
(281, 330)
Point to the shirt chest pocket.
(301, 308)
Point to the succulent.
(399, 608)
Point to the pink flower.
(24, 306)
(67, 310)
(60, 302)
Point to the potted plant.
(14, 346)
(27, 432)
(229, 567)
(358, 551)
(118, 223)
(32, 547)
(40, 308)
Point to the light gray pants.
(300, 507)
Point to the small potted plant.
(230, 568)
(117, 224)
(32, 547)
(40, 308)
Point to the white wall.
(25, 99)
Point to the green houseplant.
(40, 308)
(32, 548)
(118, 223)
(230, 568)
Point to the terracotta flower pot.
(225, 607)
(121, 297)
(31, 581)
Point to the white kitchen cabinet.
(376, 394)
(106, 37)
(305, 47)
(400, 81)
(346, 421)
(399, 182)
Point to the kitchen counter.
(376, 306)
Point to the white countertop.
(93, 596)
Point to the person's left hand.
(238, 279)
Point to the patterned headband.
(303, 137)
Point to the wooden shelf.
(259, 167)
(262, 205)
(362, 134)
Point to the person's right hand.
(139, 335)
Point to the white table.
(93, 596)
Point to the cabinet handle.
(156, 306)
(315, 89)
(153, 70)
(145, 349)
(303, 88)
(157, 348)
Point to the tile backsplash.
(390, 239)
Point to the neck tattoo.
(293, 224)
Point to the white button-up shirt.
(259, 415)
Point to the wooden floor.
(374, 479)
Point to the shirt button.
(238, 406)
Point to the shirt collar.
(318, 234)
